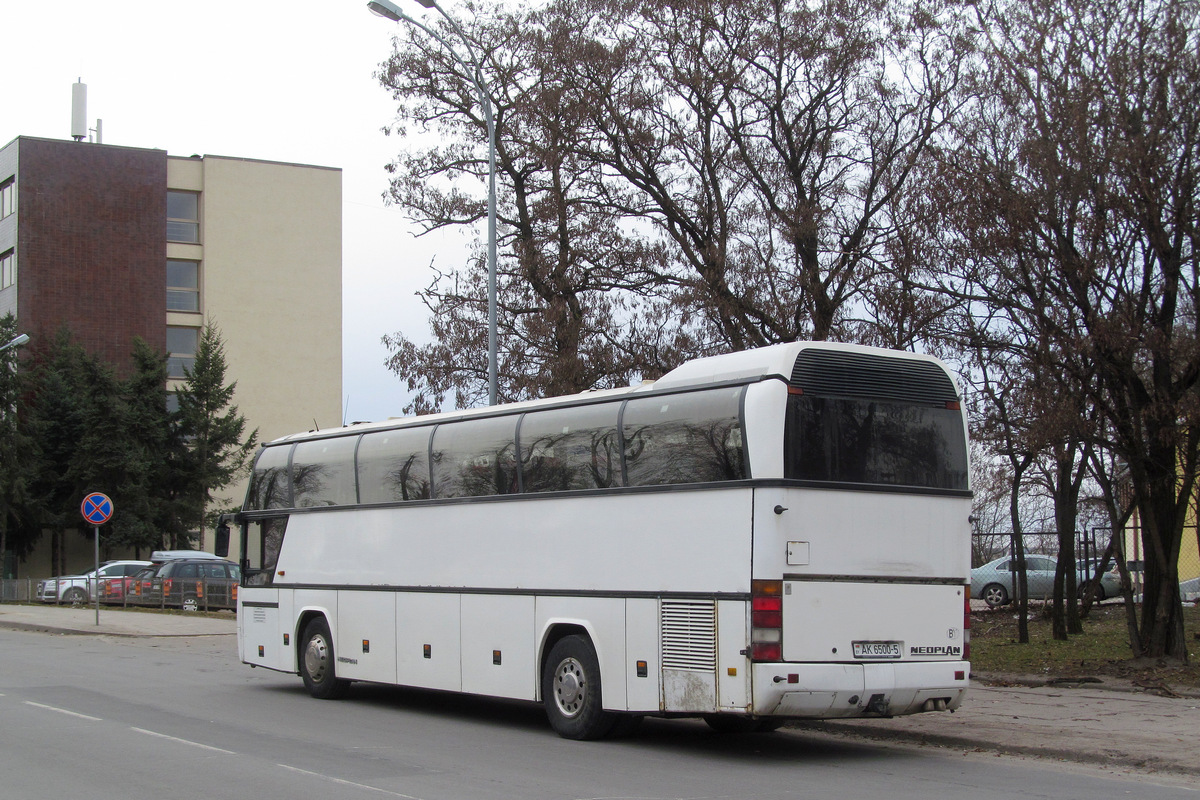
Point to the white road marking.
(349, 783)
(185, 741)
(62, 711)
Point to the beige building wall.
(271, 280)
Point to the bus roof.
(743, 365)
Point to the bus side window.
(323, 472)
(695, 437)
(393, 466)
(564, 449)
(475, 458)
(269, 483)
(262, 550)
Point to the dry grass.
(1101, 651)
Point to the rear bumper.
(832, 691)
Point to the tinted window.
(685, 438)
(852, 440)
(323, 473)
(269, 486)
(394, 466)
(571, 448)
(475, 457)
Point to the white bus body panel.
(261, 629)
(865, 534)
(364, 646)
(643, 692)
(498, 646)
(581, 544)
(428, 620)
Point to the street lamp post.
(388, 9)
(16, 341)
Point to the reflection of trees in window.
(689, 438)
(323, 473)
(861, 441)
(683, 451)
(571, 459)
(269, 486)
(408, 479)
(309, 482)
(475, 458)
(393, 466)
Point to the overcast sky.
(276, 81)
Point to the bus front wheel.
(316, 662)
(571, 691)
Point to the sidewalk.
(1119, 726)
(114, 621)
(1113, 724)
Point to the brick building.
(123, 242)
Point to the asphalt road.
(146, 719)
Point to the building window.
(183, 217)
(8, 269)
(8, 197)
(181, 350)
(183, 285)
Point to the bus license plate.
(877, 649)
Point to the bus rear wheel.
(571, 691)
(316, 662)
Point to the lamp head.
(384, 9)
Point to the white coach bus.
(775, 534)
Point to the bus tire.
(571, 691)
(317, 662)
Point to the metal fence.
(206, 594)
(1091, 546)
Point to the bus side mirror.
(222, 548)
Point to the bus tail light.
(766, 621)
(967, 623)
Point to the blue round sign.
(97, 508)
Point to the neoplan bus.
(768, 535)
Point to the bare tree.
(1075, 185)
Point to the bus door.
(264, 612)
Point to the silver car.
(80, 589)
(995, 582)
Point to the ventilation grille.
(689, 631)
(836, 374)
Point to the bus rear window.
(862, 441)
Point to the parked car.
(78, 589)
(114, 591)
(994, 582)
(188, 583)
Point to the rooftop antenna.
(79, 128)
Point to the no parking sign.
(97, 508)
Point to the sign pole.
(97, 509)
(96, 591)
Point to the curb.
(34, 627)
(851, 730)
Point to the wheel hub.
(316, 658)
(569, 687)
